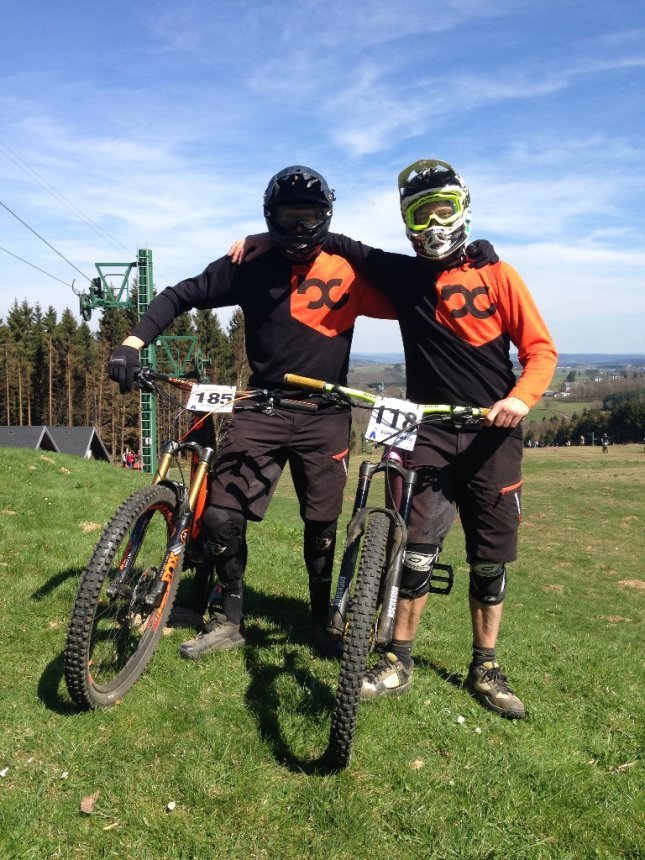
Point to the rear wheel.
(123, 600)
(358, 640)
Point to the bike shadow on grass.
(49, 683)
(56, 581)
(49, 689)
(289, 626)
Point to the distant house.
(38, 438)
(82, 442)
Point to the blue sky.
(158, 124)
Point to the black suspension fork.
(357, 526)
(348, 564)
(396, 551)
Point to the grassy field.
(234, 741)
(548, 407)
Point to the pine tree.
(213, 343)
(239, 370)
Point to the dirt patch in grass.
(632, 583)
(89, 527)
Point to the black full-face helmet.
(298, 209)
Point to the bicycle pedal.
(441, 584)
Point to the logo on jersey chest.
(323, 295)
(318, 293)
(468, 308)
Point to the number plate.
(393, 422)
(211, 398)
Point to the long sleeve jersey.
(299, 317)
(457, 325)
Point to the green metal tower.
(148, 403)
(102, 294)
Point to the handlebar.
(145, 379)
(447, 412)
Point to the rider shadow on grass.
(450, 677)
(287, 620)
(291, 618)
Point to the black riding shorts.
(256, 449)
(477, 473)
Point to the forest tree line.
(53, 370)
(621, 416)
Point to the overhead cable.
(13, 156)
(35, 267)
(49, 245)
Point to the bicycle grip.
(304, 382)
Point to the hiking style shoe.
(219, 634)
(388, 677)
(324, 644)
(487, 684)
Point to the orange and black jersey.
(457, 325)
(298, 318)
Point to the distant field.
(548, 406)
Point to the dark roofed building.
(38, 438)
(83, 442)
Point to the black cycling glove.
(481, 253)
(123, 364)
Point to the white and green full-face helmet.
(435, 205)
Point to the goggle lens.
(443, 209)
(289, 216)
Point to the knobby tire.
(358, 640)
(112, 637)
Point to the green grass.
(234, 740)
(549, 406)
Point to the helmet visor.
(444, 208)
(290, 216)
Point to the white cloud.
(168, 139)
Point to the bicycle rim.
(358, 640)
(113, 633)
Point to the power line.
(13, 156)
(49, 245)
(35, 267)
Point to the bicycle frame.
(186, 537)
(399, 490)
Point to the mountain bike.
(128, 588)
(364, 606)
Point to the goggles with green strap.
(442, 207)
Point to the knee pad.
(418, 561)
(488, 581)
(319, 546)
(225, 532)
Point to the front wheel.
(358, 640)
(123, 600)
